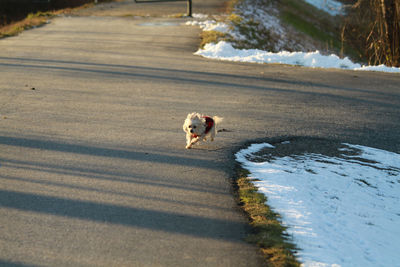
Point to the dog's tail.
(217, 119)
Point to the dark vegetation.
(372, 28)
(316, 24)
(369, 31)
(19, 15)
(16, 10)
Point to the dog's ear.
(185, 125)
(192, 116)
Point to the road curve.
(93, 165)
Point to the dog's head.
(194, 124)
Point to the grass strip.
(34, 20)
(268, 234)
(31, 21)
(313, 22)
(309, 28)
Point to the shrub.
(373, 29)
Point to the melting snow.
(341, 211)
(331, 6)
(225, 51)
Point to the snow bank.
(225, 51)
(331, 6)
(341, 211)
(210, 25)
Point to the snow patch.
(269, 22)
(199, 16)
(340, 211)
(331, 6)
(210, 25)
(225, 51)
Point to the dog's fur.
(195, 127)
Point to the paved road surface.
(93, 170)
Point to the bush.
(373, 29)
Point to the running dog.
(199, 127)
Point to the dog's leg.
(194, 141)
(212, 133)
(190, 140)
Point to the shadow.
(169, 75)
(223, 76)
(5, 263)
(107, 152)
(100, 174)
(202, 78)
(131, 196)
(128, 216)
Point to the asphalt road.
(93, 166)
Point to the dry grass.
(34, 20)
(210, 37)
(269, 234)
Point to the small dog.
(198, 127)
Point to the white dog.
(198, 127)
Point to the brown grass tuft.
(269, 234)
